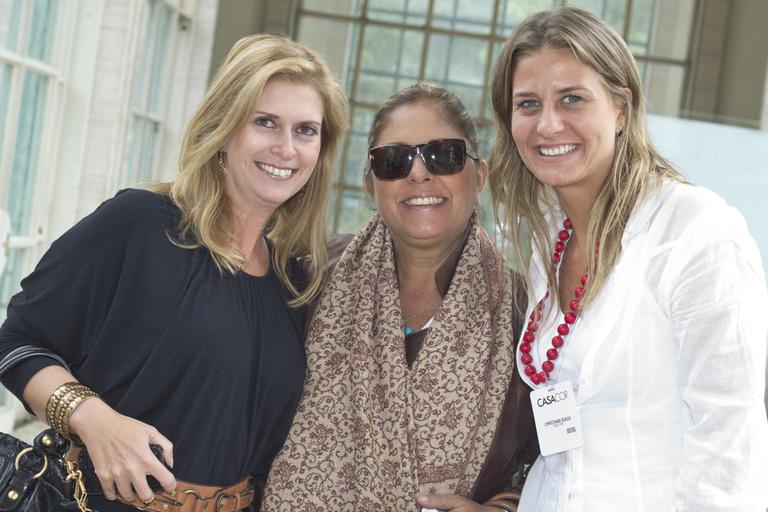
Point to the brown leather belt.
(204, 498)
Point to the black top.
(214, 362)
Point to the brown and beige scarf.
(372, 434)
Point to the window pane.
(348, 7)
(463, 15)
(145, 55)
(458, 63)
(42, 29)
(374, 88)
(5, 85)
(485, 133)
(512, 12)
(334, 40)
(357, 152)
(672, 28)
(456, 59)
(149, 139)
(10, 13)
(132, 156)
(10, 279)
(26, 151)
(160, 51)
(471, 96)
(356, 160)
(383, 50)
(611, 11)
(356, 209)
(412, 12)
(488, 113)
(663, 83)
(641, 26)
(23, 174)
(387, 54)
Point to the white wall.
(730, 160)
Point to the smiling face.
(271, 158)
(424, 209)
(564, 121)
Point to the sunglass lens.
(445, 156)
(392, 162)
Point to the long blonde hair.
(298, 226)
(520, 201)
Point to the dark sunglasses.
(442, 156)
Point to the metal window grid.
(364, 20)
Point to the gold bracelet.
(54, 400)
(66, 405)
(78, 400)
(60, 409)
(62, 403)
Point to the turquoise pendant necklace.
(407, 329)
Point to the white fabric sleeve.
(719, 310)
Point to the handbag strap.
(25, 352)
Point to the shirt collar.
(645, 208)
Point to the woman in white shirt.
(648, 318)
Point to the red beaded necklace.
(562, 330)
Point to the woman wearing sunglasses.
(648, 309)
(410, 352)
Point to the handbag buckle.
(25, 451)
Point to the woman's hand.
(118, 445)
(452, 503)
(119, 448)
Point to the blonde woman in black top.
(179, 310)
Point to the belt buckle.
(219, 503)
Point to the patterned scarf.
(372, 434)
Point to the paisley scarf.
(372, 434)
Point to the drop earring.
(221, 163)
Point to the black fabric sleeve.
(66, 299)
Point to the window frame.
(483, 118)
(131, 172)
(28, 245)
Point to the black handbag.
(37, 478)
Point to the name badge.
(558, 424)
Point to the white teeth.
(424, 201)
(275, 171)
(558, 150)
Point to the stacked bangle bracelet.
(62, 403)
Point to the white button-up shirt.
(668, 368)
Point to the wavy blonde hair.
(520, 201)
(298, 226)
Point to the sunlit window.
(378, 46)
(162, 20)
(28, 105)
